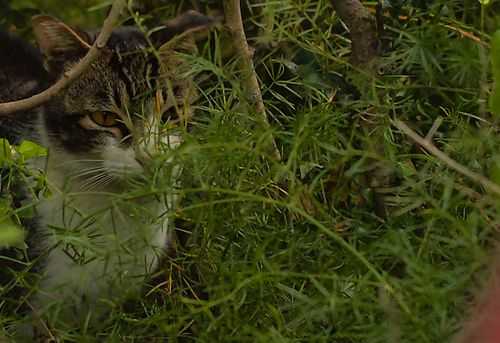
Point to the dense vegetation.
(358, 234)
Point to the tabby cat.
(92, 241)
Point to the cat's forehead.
(127, 39)
(126, 66)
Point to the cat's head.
(125, 107)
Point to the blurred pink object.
(484, 324)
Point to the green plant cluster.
(13, 172)
(296, 250)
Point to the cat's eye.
(105, 119)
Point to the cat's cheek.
(120, 161)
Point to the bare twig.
(435, 126)
(466, 34)
(250, 84)
(478, 178)
(68, 77)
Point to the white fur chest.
(101, 246)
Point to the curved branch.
(250, 83)
(68, 77)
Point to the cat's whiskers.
(93, 180)
(100, 182)
(88, 171)
(103, 182)
(90, 180)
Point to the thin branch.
(466, 34)
(68, 77)
(435, 126)
(478, 178)
(250, 84)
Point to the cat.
(114, 127)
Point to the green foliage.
(29, 150)
(12, 166)
(495, 67)
(11, 234)
(294, 251)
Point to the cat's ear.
(180, 32)
(55, 38)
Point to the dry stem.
(250, 84)
(478, 178)
(9, 108)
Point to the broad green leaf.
(5, 150)
(10, 234)
(5, 207)
(29, 150)
(495, 68)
